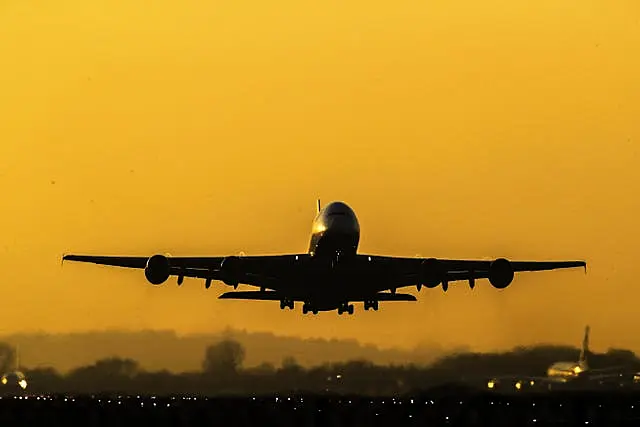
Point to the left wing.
(266, 271)
(396, 272)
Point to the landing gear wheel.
(305, 309)
(371, 305)
(350, 309)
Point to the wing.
(367, 276)
(266, 271)
(397, 272)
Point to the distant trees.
(290, 364)
(224, 357)
(7, 356)
(264, 368)
(113, 367)
(223, 373)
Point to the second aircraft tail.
(584, 351)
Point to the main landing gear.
(306, 308)
(371, 304)
(345, 308)
(285, 303)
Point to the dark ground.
(423, 409)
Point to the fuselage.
(566, 370)
(335, 232)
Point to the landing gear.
(445, 285)
(306, 308)
(345, 308)
(286, 303)
(373, 304)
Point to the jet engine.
(230, 269)
(431, 273)
(158, 269)
(500, 273)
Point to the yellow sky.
(453, 128)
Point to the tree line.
(223, 373)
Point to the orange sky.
(454, 128)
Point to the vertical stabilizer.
(319, 206)
(584, 351)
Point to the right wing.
(387, 272)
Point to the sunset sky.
(458, 129)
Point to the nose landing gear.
(371, 305)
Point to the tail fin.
(585, 345)
(319, 207)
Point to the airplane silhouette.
(332, 273)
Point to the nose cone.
(338, 207)
(339, 217)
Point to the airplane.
(15, 375)
(331, 274)
(567, 371)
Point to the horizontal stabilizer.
(252, 295)
(387, 296)
(275, 296)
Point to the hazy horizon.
(166, 350)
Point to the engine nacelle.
(230, 270)
(501, 273)
(158, 269)
(431, 272)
